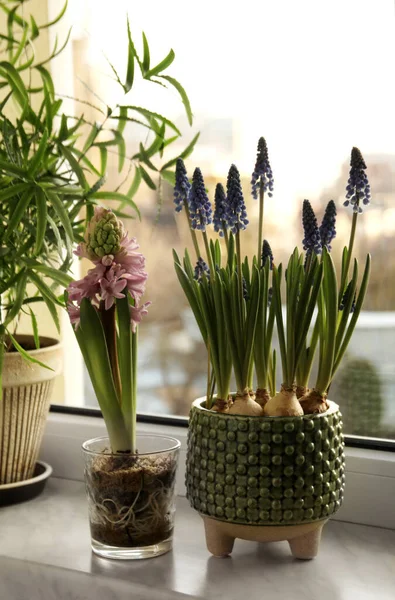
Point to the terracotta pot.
(265, 478)
(27, 391)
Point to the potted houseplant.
(130, 479)
(50, 182)
(267, 464)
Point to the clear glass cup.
(131, 497)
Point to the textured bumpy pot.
(27, 391)
(131, 497)
(265, 478)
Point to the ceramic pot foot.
(218, 543)
(306, 546)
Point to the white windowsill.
(370, 474)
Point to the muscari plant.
(237, 301)
(104, 309)
(53, 165)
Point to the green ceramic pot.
(265, 470)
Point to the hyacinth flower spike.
(262, 181)
(182, 190)
(105, 309)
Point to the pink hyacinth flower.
(128, 257)
(137, 313)
(88, 287)
(74, 314)
(112, 285)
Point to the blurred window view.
(314, 78)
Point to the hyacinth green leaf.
(126, 358)
(92, 342)
(130, 67)
(164, 64)
(20, 291)
(28, 357)
(18, 213)
(185, 100)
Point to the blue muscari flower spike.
(200, 268)
(328, 225)
(358, 187)
(182, 186)
(346, 297)
(199, 204)
(312, 238)
(235, 206)
(266, 254)
(220, 218)
(263, 171)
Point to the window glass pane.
(314, 79)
